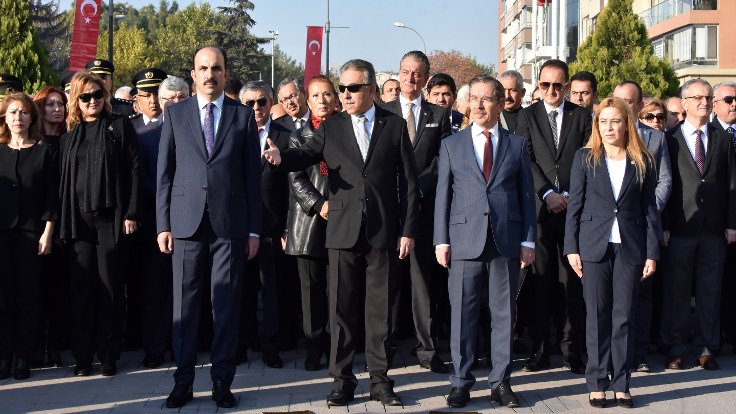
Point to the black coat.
(274, 188)
(307, 229)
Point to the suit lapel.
(544, 126)
(195, 125)
(378, 124)
(602, 171)
(711, 146)
(425, 115)
(227, 115)
(629, 174)
(468, 151)
(503, 146)
(567, 115)
(349, 134)
(684, 148)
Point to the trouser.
(313, 278)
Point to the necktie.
(699, 151)
(209, 128)
(361, 134)
(553, 125)
(731, 131)
(411, 123)
(297, 123)
(487, 156)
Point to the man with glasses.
(104, 69)
(373, 213)
(555, 130)
(698, 221)
(675, 113)
(292, 98)
(172, 90)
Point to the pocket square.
(431, 125)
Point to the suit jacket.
(592, 208)
(657, 146)
(386, 183)
(717, 125)
(227, 182)
(274, 187)
(466, 204)
(701, 203)
(548, 164)
(287, 122)
(456, 121)
(120, 106)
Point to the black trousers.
(610, 287)
(360, 272)
(550, 271)
(425, 294)
(20, 274)
(55, 317)
(271, 266)
(313, 281)
(643, 320)
(97, 289)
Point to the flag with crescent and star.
(84, 36)
(313, 62)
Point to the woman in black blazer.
(611, 242)
(28, 206)
(100, 188)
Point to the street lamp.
(401, 25)
(274, 34)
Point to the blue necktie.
(209, 128)
(732, 132)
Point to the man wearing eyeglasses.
(373, 213)
(630, 92)
(294, 101)
(555, 130)
(698, 221)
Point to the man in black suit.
(698, 221)
(373, 193)
(275, 206)
(584, 91)
(555, 129)
(427, 125)
(292, 98)
(513, 86)
(208, 214)
(442, 91)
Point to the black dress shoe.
(707, 362)
(674, 362)
(83, 369)
(273, 360)
(643, 367)
(504, 396)
(312, 363)
(22, 369)
(597, 402)
(180, 395)
(435, 365)
(459, 396)
(575, 365)
(109, 368)
(54, 358)
(222, 396)
(624, 402)
(536, 363)
(385, 394)
(339, 397)
(4, 369)
(153, 361)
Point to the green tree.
(21, 54)
(244, 56)
(619, 49)
(131, 53)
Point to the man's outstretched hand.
(272, 154)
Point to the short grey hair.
(258, 86)
(123, 90)
(513, 74)
(174, 84)
(286, 81)
(419, 56)
(369, 73)
(727, 83)
(463, 93)
(686, 86)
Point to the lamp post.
(274, 34)
(401, 25)
(328, 27)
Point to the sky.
(469, 26)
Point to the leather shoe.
(83, 369)
(674, 362)
(385, 394)
(180, 395)
(222, 396)
(504, 396)
(597, 402)
(339, 396)
(435, 365)
(312, 363)
(536, 363)
(152, 361)
(459, 396)
(22, 369)
(108, 369)
(642, 366)
(624, 402)
(4, 369)
(273, 360)
(575, 365)
(708, 362)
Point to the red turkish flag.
(313, 61)
(84, 36)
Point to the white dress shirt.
(303, 120)
(263, 134)
(216, 111)
(616, 171)
(417, 108)
(688, 131)
(370, 116)
(147, 120)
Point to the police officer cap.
(66, 83)
(100, 67)
(149, 79)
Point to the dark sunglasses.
(545, 85)
(650, 116)
(352, 88)
(727, 99)
(260, 101)
(86, 97)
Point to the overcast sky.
(464, 25)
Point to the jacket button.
(365, 175)
(485, 214)
(703, 180)
(204, 187)
(615, 210)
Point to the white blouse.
(616, 170)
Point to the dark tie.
(209, 128)
(731, 131)
(487, 156)
(553, 125)
(699, 151)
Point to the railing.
(671, 8)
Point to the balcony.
(671, 8)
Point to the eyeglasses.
(292, 97)
(252, 102)
(86, 97)
(699, 97)
(176, 97)
(727, 99)
(352, 88)
(556, 85)
(650, 116)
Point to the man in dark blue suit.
(482, 239)
(208, 213)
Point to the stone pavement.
(291, 389)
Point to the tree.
(619, 49)
(244, 55)
(462, 68)
(21, 54)
(131, 52)
(53, 28)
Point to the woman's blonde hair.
(635, 148)
(79, 82)
(34, 131)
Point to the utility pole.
(274, 34)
